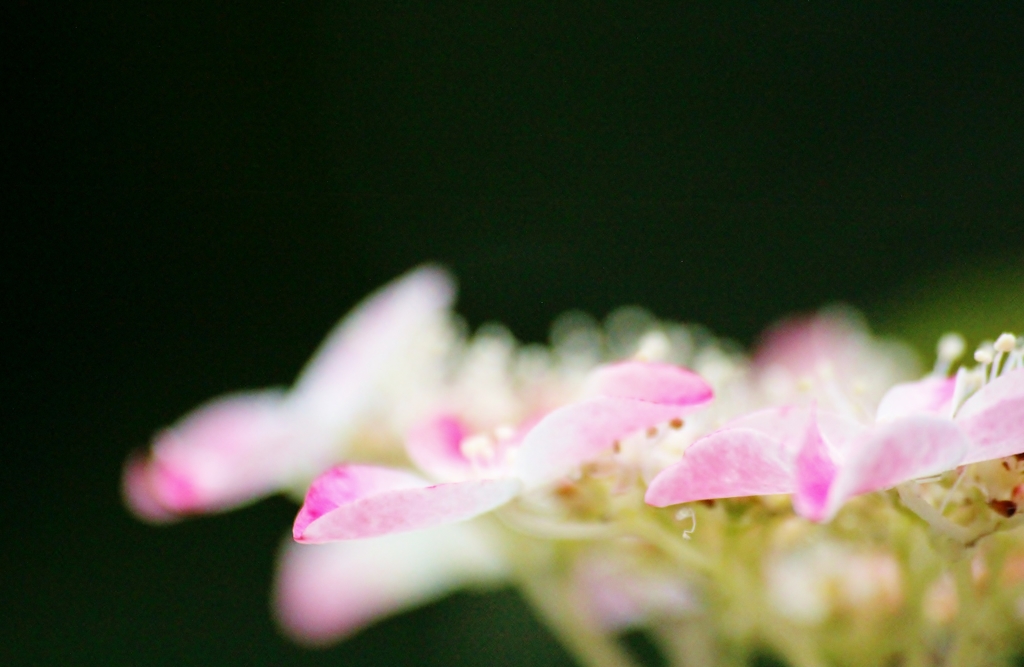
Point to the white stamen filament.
(687, 513)
(950, 348)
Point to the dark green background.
(195, 191)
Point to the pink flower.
(471, 474)
(240, 447)
(825, 457)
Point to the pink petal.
(786, 424)
(138, 494)
(993, 418)
(223, 454)
(352, 502)
(323, 593)
(365, 343)
(893, 453)
(630, 396)
(815, 472)
(345, 484)
(578, 432)
(932, 395)
(650, 381)
(434, 446)
(728, 463)
(801, 344)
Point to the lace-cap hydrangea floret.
(822, 457)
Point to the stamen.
(967, 382)
(950, 348)
(687, 513)
(983, 355)
(1005, 343)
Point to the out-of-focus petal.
(993, 418)
(323, 593)
(650, 381)
(932, 395)
(137, 490)
(729, 463)
(434, 446)
(223, 454)
(364, 344)
(893, 453)
(630, 396)
(578, 432)
(815, 471)
(801, 344)
(619, 592)
(353, 502)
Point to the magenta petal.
(932, 395)
(649, 381)
(323, 593)
(728, 463)
(434, 446)
(893, 453)
(815, 472)
(993, 418)
(578, 432)
(366, 340)
(352, 502)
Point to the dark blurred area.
(196, 191)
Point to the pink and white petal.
(578, 432)
(137, 491)
(800, 344)
(334, 512)
(434, 445)
(365, 345)
(893, 453)
(323, 593)
(786, 424)
(815, 472)
(993, 418)
(839, 432)
(346, 484)
(224, 454)
(729, 463)
(650, 381)
(932, 395)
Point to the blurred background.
(196, 191)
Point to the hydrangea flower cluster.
(815, 500)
